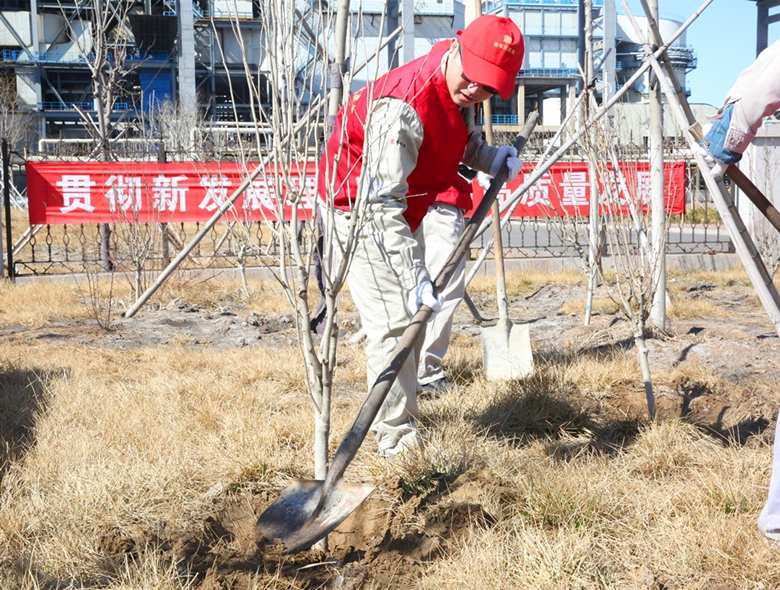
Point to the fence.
(42, 250)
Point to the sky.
(724, 38)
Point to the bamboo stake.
(658, 201)
(594, 221)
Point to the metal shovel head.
(506, 351)
(294, 519)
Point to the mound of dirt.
(373, 547)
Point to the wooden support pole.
(658, 201)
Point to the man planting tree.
(396, 146)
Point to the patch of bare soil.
(379, 546)
(176, 324)
(374, 547)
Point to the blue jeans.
(716, 137)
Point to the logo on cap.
(507, 39)
(505, 45)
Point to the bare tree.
(16, 126)
(632, 285)
(100, 31)
(105, 51)
(178, 130)
(295, 55)
(138, 240)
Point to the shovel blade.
(506, 351)
(294, 520)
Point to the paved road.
(557, 238)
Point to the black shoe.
(437, 387)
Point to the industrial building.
(194, 54)
(553, 44)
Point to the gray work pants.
(440, 230)
(382, 302)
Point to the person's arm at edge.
(755, 94)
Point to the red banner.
(121, 192)
(564, 190)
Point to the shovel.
(506, 346)
(308, 510)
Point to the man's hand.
(717, 169)
(505, 154)
(714, 141)
(422, 294)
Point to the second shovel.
(506, 346)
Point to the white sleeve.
(756, 93)
(393, 137)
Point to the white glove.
(717, 169)
(422, 294)
(483, 179)
(508, 154)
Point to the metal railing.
(70, 248)
(550, 72)
(225, 14)
(55, 105)
(429, 7)
(496, 5)
(74, 57)
(197, 11)
(548, 31)
(498, 119)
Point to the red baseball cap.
(492, 52)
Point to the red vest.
(421, 84)
(459, 194)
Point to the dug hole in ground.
(140, 456)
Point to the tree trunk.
(105, 247)
(321, 436)
(644, 361)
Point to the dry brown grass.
(600, 305)
(214, 292)
(522, 283)
(691, 309)
(97, 440)
(35, 304)
(136, 437)
(672, 510)
(735, 275)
